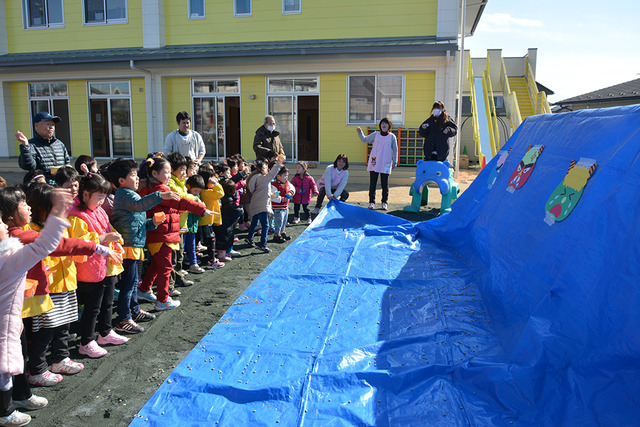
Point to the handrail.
(510, 99)
(539, 103)
(474, 107)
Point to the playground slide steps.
(519, 86)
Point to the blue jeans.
(190, 247)
(281, 216)
(128, 298)
(263, 217)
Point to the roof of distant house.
(622, 91)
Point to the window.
(196, 9)
(105, 11)
(43, 14)
(373, 97)
(54, 99)
(242, 7)
(290, 7)
(110, 115)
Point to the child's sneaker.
(285, 237)
(196, 269)
(168, 305)
(45, 379)
(295, 220)
(250, 242)
(372, 205)
(264, 249)
(243, 227)
(233, 253)
(31, 404)
(183, 284)
(214, 264)
(112, 338)
(93, 350)
(143, 316)
(385, 207)
(174, 293)
(278, 239)
(315, 211)
(67, 366)
(223, 258)
(309, 221)
(146, 296)
(16, 418)
(235, 238)
(128, 327)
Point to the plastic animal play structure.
(439, 173)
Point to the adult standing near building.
(382, 158)
(266, 142)
(184, 140)
(438, 132)
(44, 151)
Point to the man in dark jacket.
(267, 143)
(43, 151)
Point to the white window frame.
(109, 97)
(25, 17)
(235, 12)
(124, 20)
(49, 99)
(191, 15)
(291, 12)
(375, 100)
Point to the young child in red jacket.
(165, 239)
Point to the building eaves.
(426, 45)
(623, 91)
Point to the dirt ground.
(111, 390)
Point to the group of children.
(121, 215)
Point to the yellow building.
(118, 71)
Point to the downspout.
(463, 18)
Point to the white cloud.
(505, 23)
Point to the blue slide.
(517, 307)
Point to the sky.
(583, 45)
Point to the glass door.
(283, 109)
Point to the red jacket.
(169, 230)
(67, 247)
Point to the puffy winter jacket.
(129, 216)
(43, 154)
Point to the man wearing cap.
(44, 151)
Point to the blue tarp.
(485, 316)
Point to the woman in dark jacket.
(438, 131)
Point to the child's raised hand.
(21, 138)
(170, 195)
(281, 158)
(210, 213)
(61, 201)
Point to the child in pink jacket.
(305, 189)
(15, 260)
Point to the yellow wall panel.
(419, 97)
(21, 115)
(178, 99)
(252, 111)
(139, 118)
(75, 35)
(79, 118)
(327, 19)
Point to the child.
(211, 196)
(176, 184)
(382, 158)
(283, 191)
(95, 287)
(130, 220)
(305, 187)
(15, 259)
(35, 175)
(333, 182)
(68, 177)
(259, 186)
(3, 182)
(85, 164)
(195, 185)
(165, 239)
(231, 213)
(52, 305)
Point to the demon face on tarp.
(567, 194)
(524, 168)
(496, 171)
